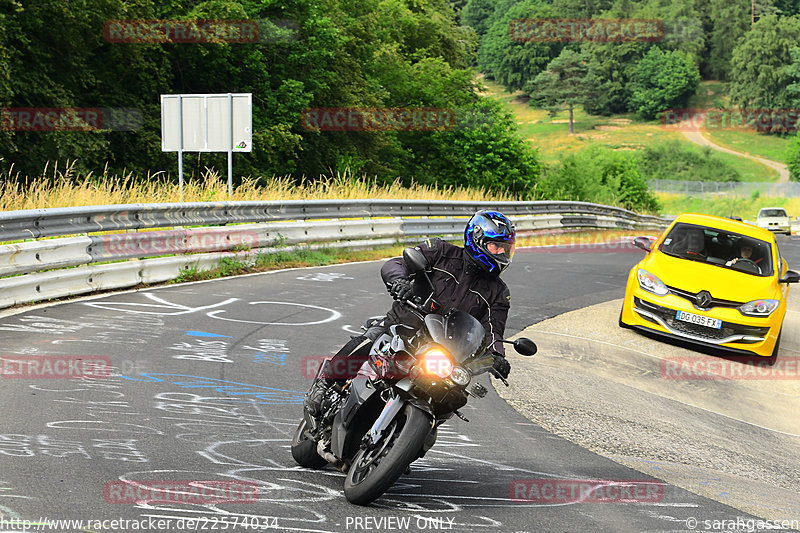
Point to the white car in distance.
(774, 219)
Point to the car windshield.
(725, 249)
(772, 213)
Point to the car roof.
(765, 208)
(726, 224)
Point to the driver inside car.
(746, 256)
(467, 279)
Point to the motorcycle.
(414, 379)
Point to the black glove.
(501, 365)
(401, 289)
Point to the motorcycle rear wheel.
(304, 450)
(374, 471)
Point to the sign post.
(207, 123)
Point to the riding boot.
(316, 395)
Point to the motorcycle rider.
(463, 278)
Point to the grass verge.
(63, 187)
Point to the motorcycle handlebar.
(485, 363)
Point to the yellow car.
(712, 281)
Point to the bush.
(483, 150)
(793, 158)
(674, 160)
(601, 175)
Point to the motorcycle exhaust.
(328, 456)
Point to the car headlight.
(437, 362)
(759, 307)
(651, 283)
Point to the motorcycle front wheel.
(304, 450)
(375, 470)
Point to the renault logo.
(703, 299)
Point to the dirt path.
(696, 136)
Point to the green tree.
(731, 21)
(662, 80)
(759, 76)
(508, 53)
(793, 73)
(615, 62)
(788, 7)
(793, 158)
(476, 14)
(334, 53)
(568, 81)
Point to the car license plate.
(700, 320)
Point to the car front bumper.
(738, 333)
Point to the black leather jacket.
(458, 284)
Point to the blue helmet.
(489, 240)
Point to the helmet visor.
(501, 248)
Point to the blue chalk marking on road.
(205, 334)
(271, 358)
(238, 392)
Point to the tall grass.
(62, 186)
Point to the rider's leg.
(341, 367)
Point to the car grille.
(692, 297)
(728, 329)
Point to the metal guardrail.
(38, 269)
(37, 223)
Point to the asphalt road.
(207, 384)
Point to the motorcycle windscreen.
(459, 333)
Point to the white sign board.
(207, 122)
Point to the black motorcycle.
(376, 424)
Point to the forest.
(119, 56)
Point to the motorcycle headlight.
(759, 307)
(437, 362)
(460, 376)
(651, 283)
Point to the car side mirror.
(790, 277)
(525, 346)
(415, 260)
(643, 243)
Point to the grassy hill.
(550, 135)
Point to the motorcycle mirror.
(525, 346)
(415, 260)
